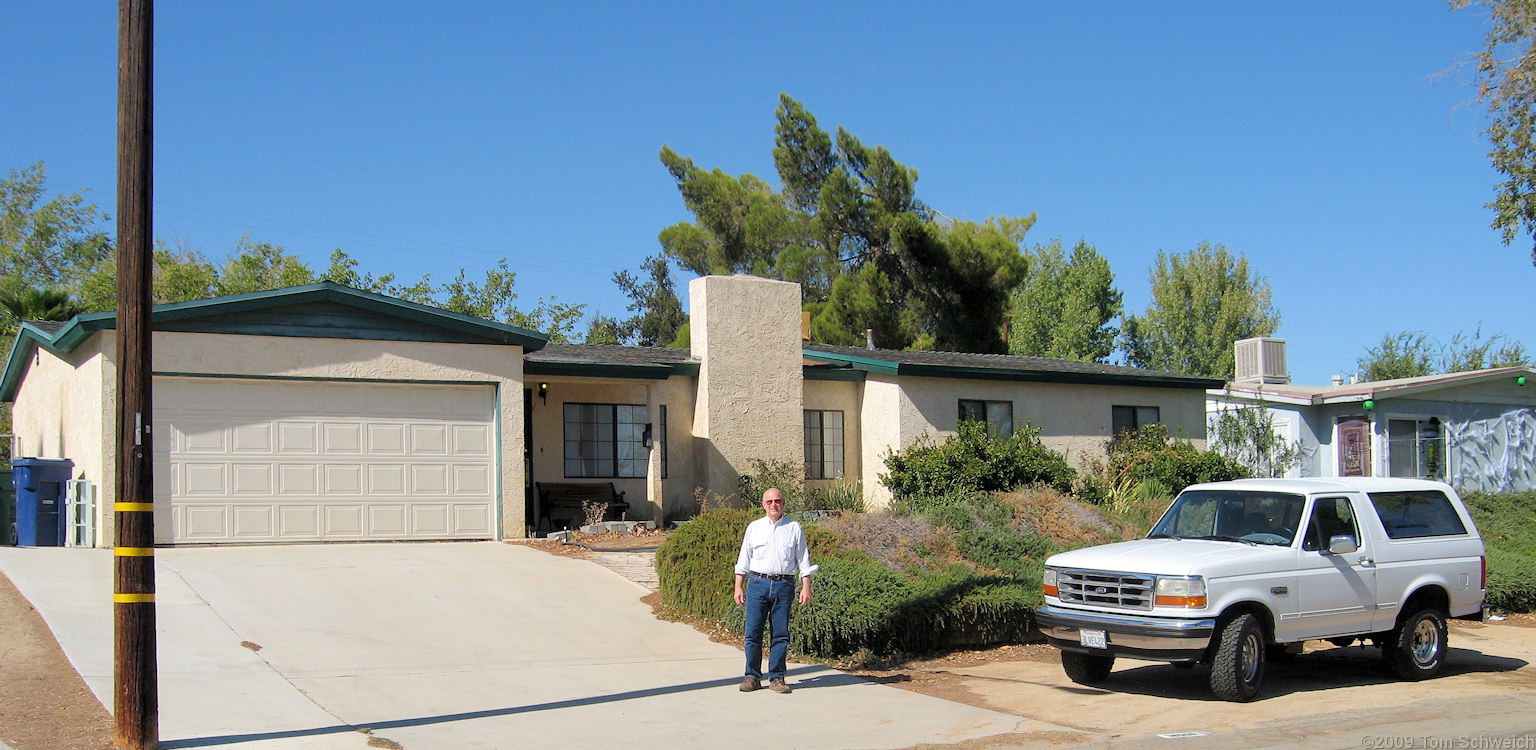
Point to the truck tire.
(1238, 668)
(1415, 650)
(1086, 669)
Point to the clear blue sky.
(1314, 138)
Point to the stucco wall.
(832, 395)
(745, 331)
(548, 459)
(1074, 420)
(64, 409)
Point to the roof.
(323, 310)
(1000, 367)
(610, 360)
(1378, 389)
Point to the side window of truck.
(1417, 513)
(1331, 517)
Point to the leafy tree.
(1413, 353)
(1202, 303)
(849, 228)
(1506, 85)
(1064, 307)
(1406, 355)
(1466, 353)
(54, 243)
(493, 300)
(602, 329)
(1247, 435)
(658, 311)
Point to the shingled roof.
(1000, 367)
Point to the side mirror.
(1342, 544)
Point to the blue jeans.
(768, 600)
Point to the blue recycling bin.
(41, 518)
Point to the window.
(997, 415)
(1419, 513)
(823, 444)
(608, 440)
(1415, 448)
(1123, 418)
(1331, 517)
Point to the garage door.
(290, 461)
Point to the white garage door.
(289, 461)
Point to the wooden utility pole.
(136, 703)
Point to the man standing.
(772, 551)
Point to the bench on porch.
(561, 502)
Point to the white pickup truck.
(1238, 572)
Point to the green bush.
(1507, 523)
(972, 461)
(1149, 453)
(859, 605)
(696, 565)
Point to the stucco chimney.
(869, 338)
(745, 332)
(1338, 379)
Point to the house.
(1475, 430)
(324, 413)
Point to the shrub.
(1149, 453)
(844, 494)
(695, 565)
(861, 605)
(972, 461)
(787, 476)
(1507, 523)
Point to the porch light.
(544, 392)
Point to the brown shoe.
(778, 685)
(749, 683)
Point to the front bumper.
(1138, 637)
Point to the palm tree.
(21, 302)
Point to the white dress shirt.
(774, 549)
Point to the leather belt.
(773, 576)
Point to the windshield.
(1232, 515)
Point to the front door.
(1354, 447)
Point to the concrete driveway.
(449, 645)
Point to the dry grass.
(1068, 522)
(896, 541)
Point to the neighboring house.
(1475, 430)
(323, 413)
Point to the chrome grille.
(1100, 588)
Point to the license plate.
(1092, 638)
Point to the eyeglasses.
(774, 502)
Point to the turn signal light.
(1180, 601)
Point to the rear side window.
(1420, 513)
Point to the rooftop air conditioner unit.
(1260, 361)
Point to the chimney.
(1260, 361)
(1338, 379)
(869, 338)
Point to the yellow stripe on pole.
(133, 551)
(133, 598)
(131, 507)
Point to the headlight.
(1050, 581)
(1180, 592)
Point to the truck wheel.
(1238, 668)
(1416, 649)
(1086, 669)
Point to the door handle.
(1366, 562)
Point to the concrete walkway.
(449, 645)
